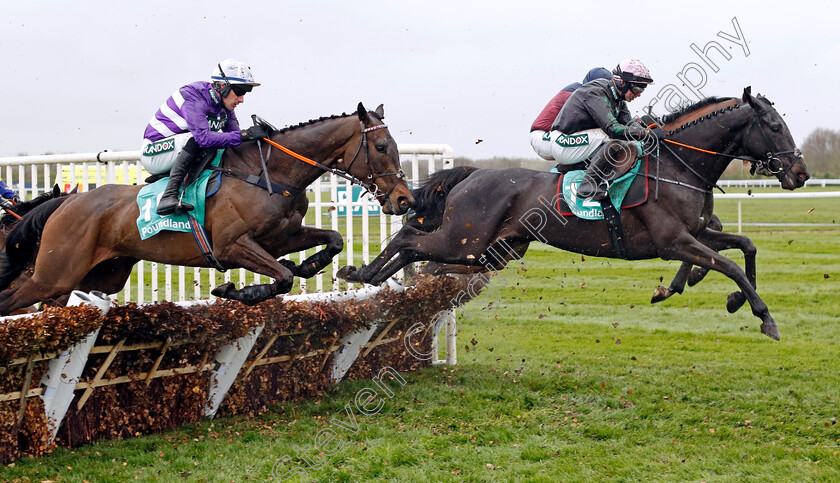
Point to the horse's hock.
(72, 375)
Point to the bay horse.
(484, 217)
(90, 241)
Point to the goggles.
(637, 88)
(241, 89)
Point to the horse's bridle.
(760, 164)
(766, 164)
(371, 186)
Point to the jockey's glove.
(636, 132)
(658, 132)
(254, 132)
(5, 203)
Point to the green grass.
(571, 375)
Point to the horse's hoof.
(660, 294)
(347, 273)
(735, 301)
(223, 290)
(770, 330)
(696, 275)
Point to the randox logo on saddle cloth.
(149, 223)
(589, 209)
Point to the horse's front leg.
(305, 238)
(367, 273)
(248, 254)
(717, 241)
(690, 250)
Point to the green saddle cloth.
(590, 209)
(149, 223)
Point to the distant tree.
(821, 150)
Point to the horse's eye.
(381, 148)
(775, 127)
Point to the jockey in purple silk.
(196, 118)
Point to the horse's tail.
(430, 197)
(22, 241)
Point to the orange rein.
(290, 152)
(12, 213)
(683, 145)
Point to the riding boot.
(600, 172)
(170, 202)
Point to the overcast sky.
(85, 76)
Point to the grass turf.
(568, 374)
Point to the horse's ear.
(380, 111)
(362, 113)
(56, 192)
(747, 94)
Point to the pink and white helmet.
(633, 70)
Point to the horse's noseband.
(371, 186)
(771, 164)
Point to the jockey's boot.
(602, 169)
(170, 201)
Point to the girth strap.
(204, 244)
(613, 219)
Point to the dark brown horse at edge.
(90, 241)
(484, 217)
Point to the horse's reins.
(370, 187)
(756, 163)
(12, 213)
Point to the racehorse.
(485, 217)
(90, 241)
(11, 217)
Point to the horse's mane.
(22, 208)
(310, 122)
(689, 108)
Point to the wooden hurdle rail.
(237, 359)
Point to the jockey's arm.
(601, 112)
(196, 116)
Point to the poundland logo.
(162, 146)
(572, 140)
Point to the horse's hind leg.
(717, 241)
(677, 284)
(305, 238)
(690, 250)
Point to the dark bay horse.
(90, 241)
(484, 217)
(13, 215)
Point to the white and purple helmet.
(234, 72)
(632, 70)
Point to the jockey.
(196, 118)
(7, 195)
(595, 123)
(550, 111)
